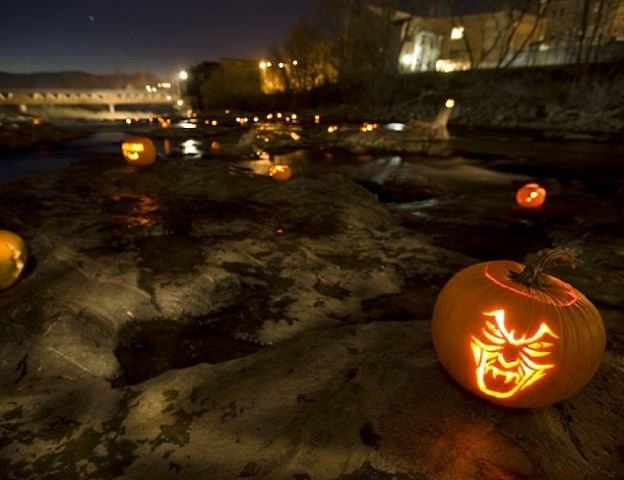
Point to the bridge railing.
(19, 96)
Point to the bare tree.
(503, 31)
(361, 32)
(305, 57)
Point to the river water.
(484, 159)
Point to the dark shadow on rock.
(169, 254)
(147, 349)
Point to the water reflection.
(260, 166)
(395, 126)
(135, 211)
(186, 124)
(380, 169)
(264, 162)
(191, 147)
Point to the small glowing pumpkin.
(531, 195)
(13, 255)
(516, 336)
(138, 150)
(280, 173)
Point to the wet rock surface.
(195, 320)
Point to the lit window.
(406, 59)
(457, 33)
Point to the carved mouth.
(496, 375)
(504, 382)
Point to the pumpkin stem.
(535, 265)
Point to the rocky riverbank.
(196, 319)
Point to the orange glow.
(138, 151)
(572, 297)
(132, 151)
(531, 195)
(13, 255)
(368, 127)
(280, 172)
(506, 365)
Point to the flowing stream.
(484, 160)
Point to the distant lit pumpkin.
(516, 336)
(280, 172)
(13, 255)
(214, 145)
(531, 195)
(138, 150)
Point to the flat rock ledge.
(331, 296)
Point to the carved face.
(514, 345)
(280, 172)
(531, 195)
(506, 363)
(132, 151)
(138, 151)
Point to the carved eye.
(531, 195)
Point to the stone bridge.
(23, 98)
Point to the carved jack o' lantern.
(515, 335)
(138, 151)
(13, 255)
(280, 172)
(531, 195)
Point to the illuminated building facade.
(565, 31)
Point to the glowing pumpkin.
(531, 195)
(138, 151)
(280, 172)
(13, 256)
(516, 336)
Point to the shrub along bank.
(586, 98)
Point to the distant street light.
(182, 77)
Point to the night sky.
(127, 36)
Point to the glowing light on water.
(190, 147)
(368, 127)
(186, 125)
(395, 126)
